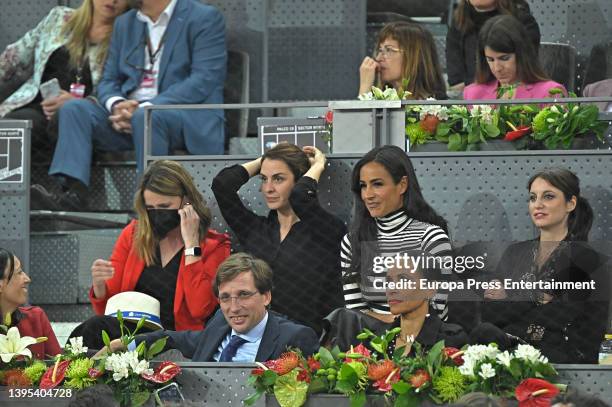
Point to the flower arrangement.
(388, 93)
(441, 375)
(129, 373)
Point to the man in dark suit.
(243, 330)
(162, 52)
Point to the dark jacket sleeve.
(531, 25)
(306, 340)
(225, 187)
(184, 341)
(455, 64)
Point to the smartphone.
(50, 89)
(169, 395)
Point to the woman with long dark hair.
(390, 216)
(462, 36)
(507, 66)
(565, 323)
(404, 51)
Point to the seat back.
(236, 90)
(559, 62)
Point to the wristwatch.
(193, 251)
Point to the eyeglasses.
(240, 298)
(387, 51)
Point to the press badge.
(77, 90)
(148, 79)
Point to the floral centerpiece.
(439, 375)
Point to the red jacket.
(194, 300)
(34, 323)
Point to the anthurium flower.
(454, 354)
(54, 374)
(12, 344)
(535, 393)
(354, 353)
(518, 133)
(419, 378)
(386, 383)
(163, 372)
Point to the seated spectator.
(478, 399)
(507, 66)
(404, 51)
(244, 330)
(410, 307)
(168, 253)
(601, 88)
(298, 238)
(31, 321)
(576, 398)
(462, 35)
(567, 325)
(391, 213)
(67, 45)
(166, 52)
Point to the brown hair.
(420, 65)
(290, 154)
(506, 34)
(167, 178)
(464, 12)
(239, 263)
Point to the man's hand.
(52, 105)
(115, 346)
(122, 115)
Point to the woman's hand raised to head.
(367, 74)
(253, 167)
(317, 162)
(190, 226)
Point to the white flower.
(366, 96)
(390, 94)
(528, 353)
(12, 344)
(486, 371)
(480, 352)
(543, 359)
(504, 358)
(122, 364)
(441, 112)
(467, 368)
(76, 346)
(485, 112)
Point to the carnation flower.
(449, 384)
(486, 371)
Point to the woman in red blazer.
(31, 321)
(169, 253)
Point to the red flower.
(329, 117)
(54, 375)
(285, 363)
(94, 373)
(163, 372)
(430, 123)
(360, 349)
(386, 383)
(454, 354)
(419, 378)
(535, 393)
(14, 378)
(303, 376)
(313, 364)
(518, 133)
(378, 371)
(257, 372)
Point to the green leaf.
(317, 385)
(141, 349)
(358, 399)
(139, 325)
(474, 136)
(443, 129)
(348, 374)
(157, 347)
(325, 357)
(555, 91)
(435, 353)
(289, 391)
(407, 400)
(139, 398)
(401, 387)
(106, 340)
(268, 378)
(491, 130)
(454, 142)
(252, 399)
(515, 369)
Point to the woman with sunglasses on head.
(462, 36)
(298, 238)
(507, 66)
(566, 324)
(67, 45)
(31, 321)
(169, 253)
(404, 51)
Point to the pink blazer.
(536, 90)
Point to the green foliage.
(449, 384)
(35, 371)
(77, 374)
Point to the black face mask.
(163, 221)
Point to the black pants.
(91, 330)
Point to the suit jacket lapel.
(269, 341)
(135, 54)
(173, 31)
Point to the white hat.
(133, 306)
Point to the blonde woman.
(67, 45)
(168, 253)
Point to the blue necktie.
(231, 348)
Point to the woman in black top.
(462, 36)
(565, 323)
(298, 238)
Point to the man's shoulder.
(286, 325)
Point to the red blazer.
(34, 323)
(194, 300)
